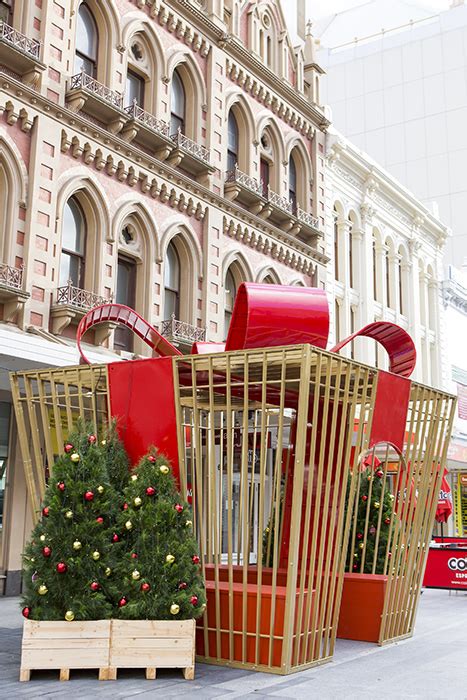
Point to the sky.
(322, 8)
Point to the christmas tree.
(116, 459)
(66, 563)
(371, 523)
(156, 555)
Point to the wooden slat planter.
(152, 644)
(65, 646)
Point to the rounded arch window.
(86, 42)
(232, 141)
(230, 293)
(293, 183)
(172, 283)
(73, 245)
(177, 104)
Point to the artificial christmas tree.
(116, 458)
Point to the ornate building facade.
(155, 152)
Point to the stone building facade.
(156, 152)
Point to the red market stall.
(447, 564)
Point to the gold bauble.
(174, 609)
(77, 544)
(203, 608)
(164, 469)
(75, 457)
(69, 616)
(189, 523)
(96, 555)
(100, 489)
(360, 546)
(128, 525)
(42, 538)
(376, 505)
(135, 575)
(137, 501)
(69, 514)
(42, 590)
(108, 571)
(134, 477)
(103, 443)
(391, 497)
(170, 559)
(32, 560)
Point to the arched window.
(230, 292)
(336, 244)
(6, 11)
(351, 258)
(337, 320)
(375, 272)
(293, 183)
(172, 283)
(232, 142)
(86, 42)
(387, 265)
(126, 295)
(177, 105)
(73, 245)
(134, 89)
(269, 280)
(400, 285)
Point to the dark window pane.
(73, 228)
(264, 174)
(177, 104)
(172, 269)
(86, 42)
(134, 89)
(125, 294)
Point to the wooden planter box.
(65, 646)
(362, 607)
(108, 645)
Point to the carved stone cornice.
(455, 295)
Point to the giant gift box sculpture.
(313, 478)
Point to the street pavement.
(431, 665)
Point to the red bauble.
(182, 585)
(61, 486)
(45, 512)
(387, 521)
(151, 458)
(145, 587)
(355, 567)
(150, 491)
(26, 612)
(134, 555)
(178, 507)
(122, 602)
(389, 555)
(195, 559)
(92, 439)
(68, 447)
(379, 473)
(364, 498)
(115, 537)
(194, 600)
(95, 585)
(125, 506)
(89, 496)
(62, 568)
(359, 535)
(100, 520)
(46, 551)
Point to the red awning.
(444, 509)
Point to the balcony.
(191, 156)
(71, 304)
(245, 189)
(88, 95)
(20, 53)
(309, 224)
(182, 334)
(12, 295)
(279, 210)
(149, 131)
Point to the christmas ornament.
(389, 555)
(387, 521)
(34, 577)
(45, 512)
(61, 486)
(69, 616)
(189, 523)
(42, 538)
(151, 458)
(42, 590)
(178, 507)
(364, 498)
(77, 544)
(355, 567)
(129, 525)
(379, 473)
(174, 609)
(134, 555)
(100, 520)
(32, 560)
(182, 585)
(361, 545)
(359, 535)
(96, 555)
(89, 496)
(137, 502)
(170, 559)
(68, 447)
(164, 469)
(145, 587)
(391, 497)
(203, 608)
(46, 551)
(150, 491)
(103, 443)
(95, 585)
(108, 571)
(75, 457)
(355, 555)
(376, 505)
(26, 612)
(125, 506)
(100, 489)
(122, 602)
(195, 559)
(115, 537)
(134, 477)
(194, 600)
(61, 567)
(372, 530)
(92, 439)
(135, 575)
(69, 514)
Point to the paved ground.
(431, 665)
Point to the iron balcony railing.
(191, 147)
(182, 331)
(80, 298)
(19, 41)
(307, 218)
(280, 202)
(11, 277)
(140, 115)
(83, 81)
(236, 175)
